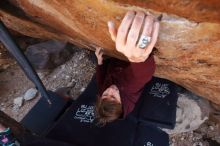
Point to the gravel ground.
(76, 73)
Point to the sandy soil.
(76, 73)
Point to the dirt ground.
(76, 73)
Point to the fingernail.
(148, 13)
(159, 18)
(111, 24)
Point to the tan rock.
(188, 49)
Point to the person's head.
(108, 106)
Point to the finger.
(101, 52)
(148, 27)
(97, 50)
(134, 32)
(112, 30)
(155, 34)
(123, 29)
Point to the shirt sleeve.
(100, 74)
(137, 75)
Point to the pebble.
(74, 65)
(41, 75)
(15, 109)
(71, 84)
(18, 101)
(211, 128)
(82, 89)
(63, 67)
(81, 57)
(30, 94)
(197, 144)
(182, 138)
(67, 77)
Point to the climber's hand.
(99, 55)
(127, 36)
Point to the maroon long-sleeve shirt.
(129, 77)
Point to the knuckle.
(131, 12)
(132, 35)
(140, 13)
(149, 19)
(130, 15)
(139, 19)
(121, 30)
(137, 55)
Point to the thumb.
(112, 30)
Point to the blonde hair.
(107, 110)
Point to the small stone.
(71, 84)
(67, 77)
(18, 101)
(15, 109)
(41, 75)
(82, 89)
(197, 144)
(81, 57)
(30, 94)
(211, 128)
(63, 67)
(182, 138)
(194, 138)
(74, 65)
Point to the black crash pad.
(77, 126)
(43, 116)
(159, 103)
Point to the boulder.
(187, 51)
(49, 54)
(190, 114)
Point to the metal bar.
(26, 66)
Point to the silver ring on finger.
(144, 41)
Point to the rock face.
(187, 52)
